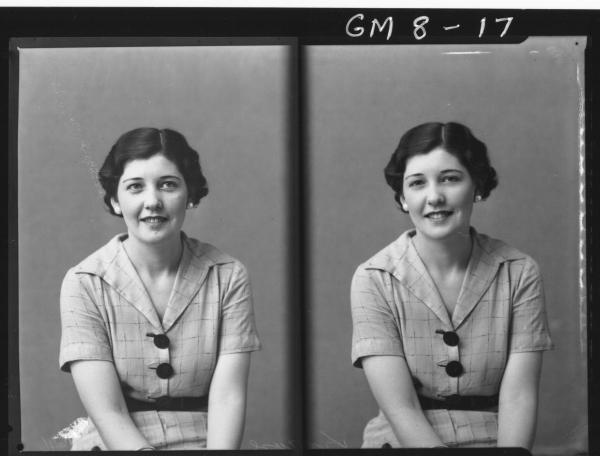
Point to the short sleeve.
(529, 326)
(375, 329)
(238, 328)
(84, 334)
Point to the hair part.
(143, 143)
(453, 137)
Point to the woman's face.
(438, 193)
(152, 196)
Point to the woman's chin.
(156, 237)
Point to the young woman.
(157, 328)
(448, 324)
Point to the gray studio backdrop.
(524, 101)
(232, 104)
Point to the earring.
(117, 211)
(478, 198)
(190, 205)
(405, 207)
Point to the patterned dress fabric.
(106, 314)
(396, 310)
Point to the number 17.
(499, 19)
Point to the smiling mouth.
(154, 220)
(438, 215)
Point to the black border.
(309, 26)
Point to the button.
(164, 370)
(450, 337)
(453, 368)
(161, 341)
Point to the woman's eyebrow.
(451, 170)
(132, 178)
(413, 175)
(168, 176)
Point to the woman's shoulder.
(389, 257)
(92, 268)
(206, 252)
(100, 259)
(501, 250)
(207, 257)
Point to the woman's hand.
(227, 401)
(517, 412)
(392, 386)
(100, 392)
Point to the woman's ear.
(403, 203)
(115, 205)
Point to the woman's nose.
(152, 200)
(435, 196)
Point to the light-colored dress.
(396, 310)
(106, 314)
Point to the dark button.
(386, 445)
(164, 370)
(96, 448)
(161, 341)
(454, 368)
(450, 337)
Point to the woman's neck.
(153, 260)
(445, 254)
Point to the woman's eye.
(415, 183)
(134, 187)
(451, 178)
(169, 184)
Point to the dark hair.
(457, 140)
(143, 143)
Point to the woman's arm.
(517, 412)
(392, 386)
(227, 401)
(100, 392)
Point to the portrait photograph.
(152, 106)
(525, 103)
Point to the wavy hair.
(457, 140)
(143, 143)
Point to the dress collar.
(112, 265)
(402, 261)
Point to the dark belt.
(457, 402)
(163, 403)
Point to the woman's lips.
(437, 216)
(154, 220)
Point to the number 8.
(419, 25)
